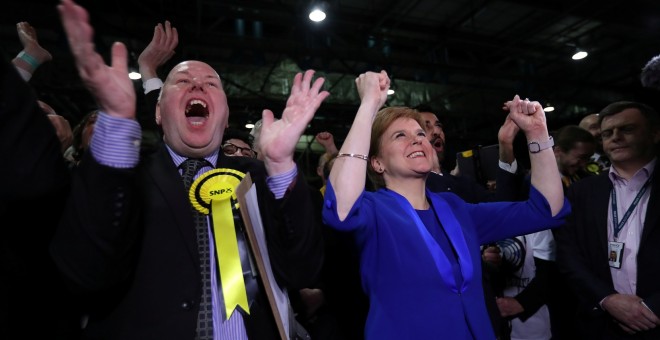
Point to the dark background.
(464, 58)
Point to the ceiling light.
(390, 92)
(249, 126)
(579, 54)
(548, 108)
(134, 75)
(317, 14)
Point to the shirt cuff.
(512, 168)
(279, 183)
(152, 84)
(24, 74)
(116, 141)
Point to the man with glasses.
(237, 143)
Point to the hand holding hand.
(529, 117)
(278, 138)
(159, 51)
(505, 136)
(508, 131)
(109, 85)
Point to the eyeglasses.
(230, 149)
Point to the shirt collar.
(178, 159)
(641, 175)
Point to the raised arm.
(159, 51)
(110, 85)
(505, 137)
(327, 140)
(530, 117)
(278, 138)
(348, 174)
(33, 54)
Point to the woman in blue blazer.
(419, 251)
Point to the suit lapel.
(653, 208)
(168, 181)
(600, 193)
(456, 237)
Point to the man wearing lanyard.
(609, 250)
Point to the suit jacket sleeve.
(147, 120)
(508, 185)
(28, 140)
(536, 294)
(589, 283)
(295, 242)
(95, 243)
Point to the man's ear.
(656, 135)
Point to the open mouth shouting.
(197, 111)
(438, 144)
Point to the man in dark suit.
(128, 240)
(609, 249)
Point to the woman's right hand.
(372, 87)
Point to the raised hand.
(505, 138)
(28, 37)
(372, 87)
(159, 51)
(508, 131)
(109, 85)
(528, 116)
(278, 138)
(327, 141)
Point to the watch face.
(534, 147)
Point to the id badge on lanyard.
(615, 248)
(615, 251)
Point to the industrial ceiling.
(464, 58)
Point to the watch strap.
(536, 147)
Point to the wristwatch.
(536, 147)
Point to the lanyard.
(615, 216)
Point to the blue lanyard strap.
(617, 226)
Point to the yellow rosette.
(213, 193)
(593, 168)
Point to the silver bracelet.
(354, 155)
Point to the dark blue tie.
(191, 167)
